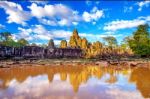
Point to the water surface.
(74, 82)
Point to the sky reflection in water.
(77, 82)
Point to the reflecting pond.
(74, 82)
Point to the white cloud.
(122, 24)
(128, 9)
(39, 29)
(48, 22)
(55, 14)
(48, 14)
(63, 22)
(39, 33)
(75, 23)
(61, 34)
(75, 12)
(94, 15)
(98, 36)
(2, 26)
(15, 12)
(143, 4)
(94, 9)
(38, 11)
(93, 23)
(23, 33)
(36, 32)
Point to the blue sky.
(39, 21)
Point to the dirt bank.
(74, 62)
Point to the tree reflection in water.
(77, 75)
(141, 76)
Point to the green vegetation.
(140, 42)
(136, 44)
(22, 42)
(111, 41)
(7, 40)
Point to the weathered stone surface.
(6, 51)
(35, 52)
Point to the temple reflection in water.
(78, 75)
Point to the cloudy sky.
(39, 21)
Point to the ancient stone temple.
(6, 51)
(52, 52)
(63, 53)
(32, 52)
(39, 52)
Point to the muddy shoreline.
(74, 62)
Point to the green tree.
(63, 44)
(4, 36)
(7, 40)
(140, 42)
(10, 42)
(33, 44)
(23, 42)
(111, 41)
(124, 44)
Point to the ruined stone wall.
(39, 52)
(6, 51)
(63, 53)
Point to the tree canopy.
(111, 41)
(140, 41)
(4, 36)
(23, 42)
(6, 39)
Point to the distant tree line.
(136, 44)
(7, 40)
